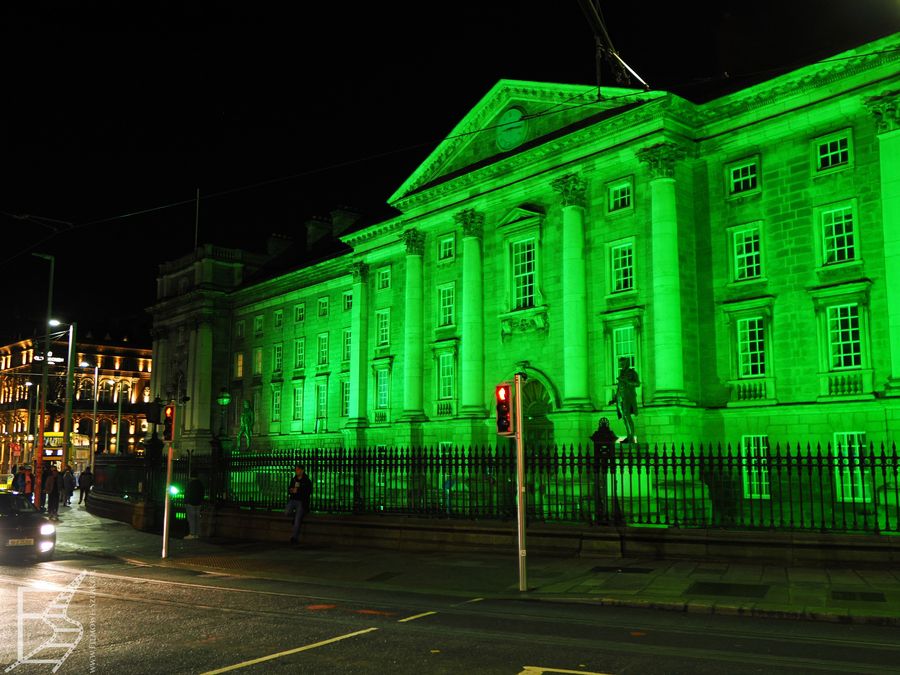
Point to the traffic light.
(503, 396)
(169, 423)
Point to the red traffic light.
(503, 395)
(169, 423)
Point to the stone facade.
(743, 253)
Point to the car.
(25, 533)
(6, 480)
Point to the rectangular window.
(383, 278)
(322, 350)
(742, 177)
(619, 196)
(298, 401)
(347, 300)
(844, 339)
(832, 151)
(383, 327)
(382, 388)
(851, 482)
(279, 318)
(300, 353)
(755, 456)
(321, 402)
(446, 247)
(258, 324)
(751, 347)
(257, 361)
(276, 404)
(623, 347)
(446, 301)
(524, 273)
(239, 365)
(345, 398)
(838, 242)
(622, 267)
(446, 376)
(323, 307)
(277, 358)
(300, 312)
(747, 256)
(346, 345)
(239, 329)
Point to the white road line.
(270, 657)
(415, 616)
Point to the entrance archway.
(537, 404)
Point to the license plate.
(21, 542)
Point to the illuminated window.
(321, 403)
(747, 260)
(844, 337)
(751, 347)
(743, 176)
(239, 329)
(382, 388)
(623, 347)
(279, 318)
(300, 353)
(446, 302)
(755, 459)
(277, 358)
(447, 247)
(300, 312)
(347, 300)
(621, 262)
(838, 240)
(257, 325)
(276, 404)
(346, 344)
(383, 278)
(239, 364)
(524, 273)
(619, 195)
(257, 361)
(383, 327)
(345, 398)
(322, 350)
(851, 481)
(323, 307)
(446, 375)
(833, 151)
(298, 401)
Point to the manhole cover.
(624, 570)
(864, 596)
(729, 590)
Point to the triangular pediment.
(511, 117)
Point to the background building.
(742, 253)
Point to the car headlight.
(48, 528)
(45, 546)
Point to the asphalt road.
(92, 615)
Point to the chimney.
(342, 219)
(317, 228)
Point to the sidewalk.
(822, 594)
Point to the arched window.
(86, 390)
(106, 391)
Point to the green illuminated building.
(744, 253)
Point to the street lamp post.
(70, 376)
(94, 426)
(39, 478)
(29, 426)
(119, 450)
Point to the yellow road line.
(537, 670)
(262, 659)
(414, 617)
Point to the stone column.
(359, 347)
(471, 366)
(200, 381)
(571, 190)
(668, 352)
(886, 109)
(160, 354)
(413, 329)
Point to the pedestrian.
(299, 492)
(54, 489)
(193, 500)
(28, 484)
(68, 485)
(85, 482)
(625, 399)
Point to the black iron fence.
(792, 488)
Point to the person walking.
(85, 482)
(299, 492)
(193, 500)
(53, 488)
(68, 485)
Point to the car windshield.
(13, 503)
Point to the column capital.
(471, 221)
(160, 333)
(571, 189)
(660, 158)
(415, 241)
(885, 108)
(360, 271)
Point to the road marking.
(415, 616)
(270, 657)
(537, 670)
(460, 604)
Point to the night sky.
(112, 108)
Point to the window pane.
(622, 266)
(834, 152)
(844, 340)
(747, 259)
(751, 348)
(838, 242)
(755, 453)
(523, 270)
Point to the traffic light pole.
(166, 510)
(520, 483)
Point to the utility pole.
(70, 376)
(39, 463)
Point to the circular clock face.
(510, 129)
